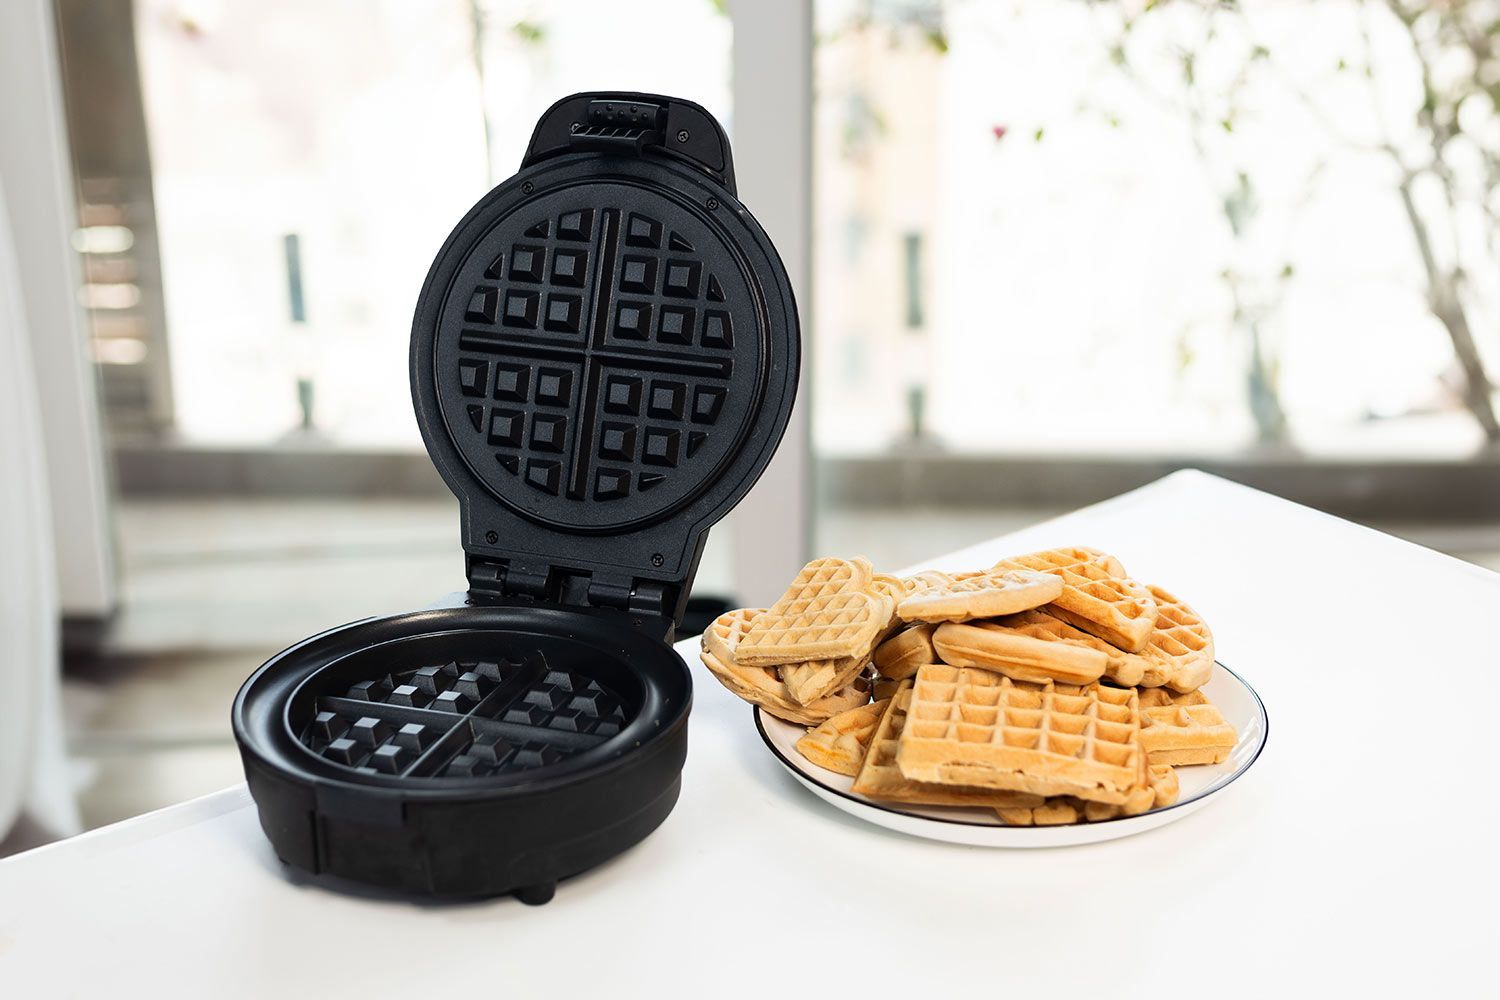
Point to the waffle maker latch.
(634, 124)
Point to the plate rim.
(1214, 789)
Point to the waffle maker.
(603, 359)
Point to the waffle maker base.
(465, 751)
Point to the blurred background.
(1046, 251)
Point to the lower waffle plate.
(1200, 785)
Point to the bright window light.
(103, 239)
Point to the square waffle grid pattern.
(464, 719)
(968, 722)
(599, 359)
(1096, 593)
(1184, 728)
(1181, 649)
(826, 605)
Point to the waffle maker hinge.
(649, 603)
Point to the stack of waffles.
(1051, 688)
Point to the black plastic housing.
(604, 357)
(463, 836)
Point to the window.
(309, 159)
(1193, 229)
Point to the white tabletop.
(1359, 851)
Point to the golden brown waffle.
(918, 582)
(1104, 560)
(1031, 646)
(1180, 651)
(1095, 599)
(723, 635)
(1065, 809)
(979, 728)
(1159, 697)
(763, 685)
(1164, 785)
(1184, 728)
(828, 613)
(880, 778)
(1035, 646)
(839, 744)
(986, 595)
(807, 682)
(882, 688)
(1060, 810)
(810, 681)
(894, 588)
(899, 656)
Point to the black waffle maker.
(603, 359)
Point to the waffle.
(807, 682)
(894, 588)
(763, 685)
(1104, 560)
(1158, 698)
(1094, 598)
(810, 681)
(1184, 728)
(723, 635)
(1164, 785)
(1027, 647)
(1061, 810)
(1180, 652)
(899, 656)
(979, 704)
(760, 686)
(919, 582)
(880, 778)
(986, 595)
(975, 727)
(829, 612)
(839, 744)
(1035, 646)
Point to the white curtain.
(34, 780)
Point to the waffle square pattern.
(1096, 596)
(978, 728)
(830, 611)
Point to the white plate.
(1199, 784)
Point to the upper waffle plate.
(605, 349)
(596, 353)
(1238, 701)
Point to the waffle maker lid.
(604, 357)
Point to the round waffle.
(1097, 597)
(1179, 653)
